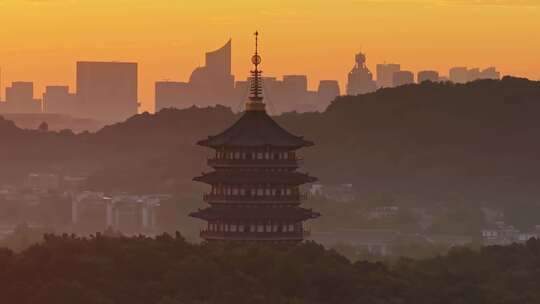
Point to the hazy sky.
(42, 39)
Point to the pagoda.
(255, 186)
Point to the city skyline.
(426, 35)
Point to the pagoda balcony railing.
(217, 198)
(217, 162)
(294, 235)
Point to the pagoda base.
(255, 236)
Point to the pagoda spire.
(255, 102)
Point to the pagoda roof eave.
(258, 213)
(255, 129)
(288, 178)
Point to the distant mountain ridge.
(430, 138)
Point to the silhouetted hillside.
(168, 270)
(430, 141)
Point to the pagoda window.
(275, 228)
(241, 228)
(242, 192)
(288, 191)
(252, 228)
(235, 191)
(233, 228)
(236, 155)
(291, 228)
(260, 192)
(267, 191)
(260, 228)
(268, 228)
(226, 227)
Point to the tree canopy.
(168, 270)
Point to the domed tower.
(255, 186)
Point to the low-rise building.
(129, 214)
(504, 234)
(382, 212)
(339, 193)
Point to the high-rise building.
(328, 90)
(295, 83)
(459, 75)
(57, 99)
(170, 94)
(20, 98)
(214, 84)
(107, 91)
(463, 74)
(360, 79)
(490, 73)
(385, 74)
(208, 85)
(473, 74)
(403, 78)
(255, 187)
(432, 76)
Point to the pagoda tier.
(255, 213)
(256, 177)
(255, 187)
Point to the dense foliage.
(169, 270)
(430, 141)
(455, 148)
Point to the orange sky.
(40, 40)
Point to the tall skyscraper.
(20, 98)
(473, 74)
(464, 74)
(57, 99)
(432, 76)
(214, 84)
(107, 91)
(170, 94)
(208, 85)
(328, 90)
(403, 78)
(360, 79)
(385, 74)
(490, 73)
(459, 75)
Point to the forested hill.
(478, 139)
(168, 270)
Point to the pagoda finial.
(255, 98)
